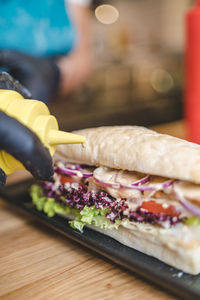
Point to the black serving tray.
(181, 284)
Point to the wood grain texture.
(38, 263)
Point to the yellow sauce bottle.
(36, 116)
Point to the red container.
(192, 74)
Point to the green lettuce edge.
(192, 221)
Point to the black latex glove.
(7, 82)
(26, 147)
(39, 75)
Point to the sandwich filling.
(107, 198)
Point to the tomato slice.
(65, 178)
(155, 207)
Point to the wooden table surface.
(38, 263)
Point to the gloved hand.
(39, 75)
(26, 147)
(7, 82)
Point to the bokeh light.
(161, 81)
(106, 14)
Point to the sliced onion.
(79, 173)
(86, 175)
(167, 183)
(192, 208)
(160, 186)
(122, 186)
(76, 167)
(141, 188)
(141, 181)
(66, 171)
(107, 184)
(136, 185)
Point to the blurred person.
(46, 45)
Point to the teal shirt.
(39, 28)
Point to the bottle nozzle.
(57, 137)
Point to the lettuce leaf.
(192, 221)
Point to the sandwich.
(133, 184)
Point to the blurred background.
(138, 49)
